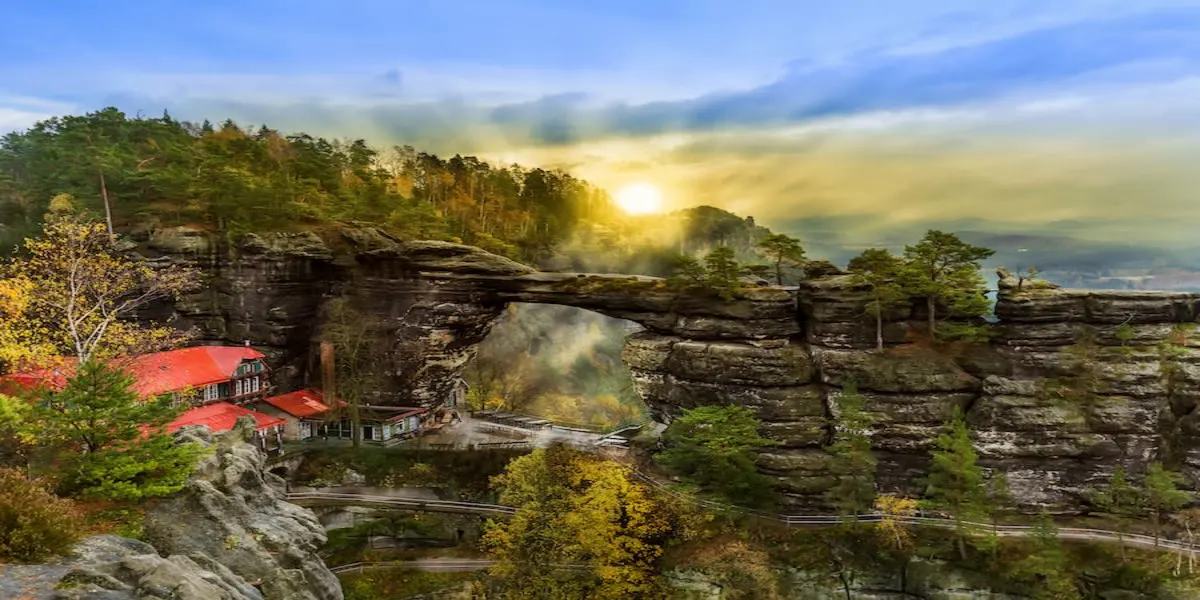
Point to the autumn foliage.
(34, 523)
(72, 293)
(575, 510)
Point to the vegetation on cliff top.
(143, 173)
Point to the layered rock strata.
(1072, 385)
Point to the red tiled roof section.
(221, 416)
(158, 373)
(300, 404)
(199, 366)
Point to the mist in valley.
(556, 362)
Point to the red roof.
(221, 416)
(157, 373)
(299, 404)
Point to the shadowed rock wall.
(1074, 383)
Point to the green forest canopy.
(159, 172)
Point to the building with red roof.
(309, 415)
(222, 416)
(236, 374)
(304, 411)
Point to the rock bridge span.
(786, 354)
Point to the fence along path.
(452, 506)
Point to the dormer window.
(248, 368)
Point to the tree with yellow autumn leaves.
(583, 529)
(69, 301)
(71, 294)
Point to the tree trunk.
(929, 306)
(1154, 522)
(879, 329)
(1191, 551)
(355, 425)
(104, 196)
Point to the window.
(254, 384)
(258, 366)
(210, 393)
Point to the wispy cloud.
(849, 122)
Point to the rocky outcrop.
(107, 567)
(229, 535)
(233, 513)
(427, 304)
(1056, 428)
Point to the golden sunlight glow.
(639, 198)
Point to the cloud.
(1060, 125)
(19, 112)
(1163, 46)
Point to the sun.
(639, 198)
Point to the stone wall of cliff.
(1074, 384)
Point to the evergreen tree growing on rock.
(945, 270)
(882, 272)
(782, 250)
(955, 483)
(714, 446)
(722, 272)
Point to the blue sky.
(884, 116)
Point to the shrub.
(34, 523)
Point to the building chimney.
(246, 343)
(328, 385)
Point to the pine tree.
(945, 270)
(1000, 503)
(851, 460)
(881, 271)
(1047, 563)
(715, 447)
(112, 443)
(1123, 501)
(783, 250)
(722, 272)
(955, 483)
(1162, 495)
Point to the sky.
(1068, 128)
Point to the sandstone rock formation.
(1056, 428)
(233, 513)
(228, 536)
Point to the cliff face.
(1074, 383)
